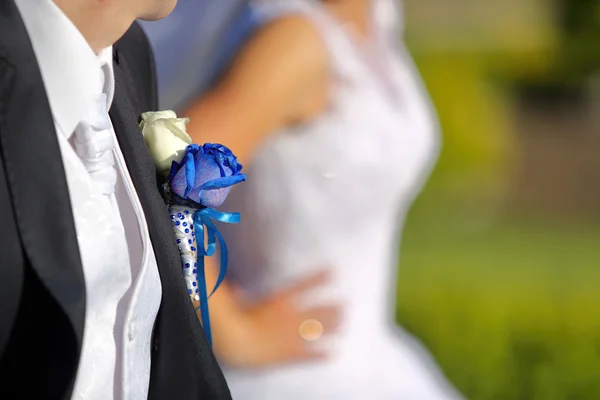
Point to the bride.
(325, 108)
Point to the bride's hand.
(270, 332)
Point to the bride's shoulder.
(298, 17)
(280, 69)
(293, 40)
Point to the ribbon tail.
(201, 280)
(206, 215)
(224, 261)
(224, 255)
(204, 312)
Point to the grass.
(508, 306)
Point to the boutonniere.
(196, 180)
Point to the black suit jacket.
(42, 291)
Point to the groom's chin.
(158, 9)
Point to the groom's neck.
(101, 23)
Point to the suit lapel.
(124, 116)
(35, 172)
(183, 365)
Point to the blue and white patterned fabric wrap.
(185, 235)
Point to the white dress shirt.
(122, 281)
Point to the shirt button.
(131, 332)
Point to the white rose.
(166, 138)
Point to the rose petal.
(164, 146)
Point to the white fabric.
(95, 145)
(123, 288)
(335, 192)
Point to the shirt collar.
(105, 58)
(73, 74)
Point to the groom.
(93, 303)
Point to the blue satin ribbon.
(203, 218)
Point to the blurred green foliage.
(576, 56)
(475, 117)
(579, 51)
(507, 303)
(509, 308)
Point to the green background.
(507, 300)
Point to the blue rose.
(206, 174)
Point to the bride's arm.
(278, 78)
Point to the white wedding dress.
(335, 192)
